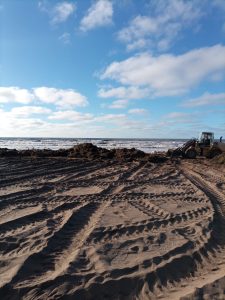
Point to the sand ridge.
(103, 229)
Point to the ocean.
(146, 145)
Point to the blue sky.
(108, 68)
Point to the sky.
(112, 68)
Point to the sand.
(107, 229)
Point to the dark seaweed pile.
(87, 151)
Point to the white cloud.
(178, 115)
(70, 115)
(173, 9)
(60, 97)
(135, 34)
(119, 104)
(135, 125)
(99, 14)
(121, 121)
(124, 95)
(15, 94)
(114, 118)
(206, 99)
(22, 116)
(131, 92)
(138, 44)
(58, 13)
(25, 111)
(169, 74)
(29, 121)
(159, 29)
(14, 124)
(65, 38)
(138, 111)
(85, 118)
(175, 119)
(62, 11)
(59, 124)
(42, 5)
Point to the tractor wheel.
(191, 153)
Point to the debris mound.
(88, 151)
(157, 157)
(124, 154)
(219, 159)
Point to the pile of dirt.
(125, 154)
(90, 151)
(157, 157)
(87, 151)
(219, 159)
(5, 152)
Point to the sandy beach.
(111, 229)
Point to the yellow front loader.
(204, 146)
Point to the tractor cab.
(206, 139)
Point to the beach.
(121, 226)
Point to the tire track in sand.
(62, 248)
(217, 200)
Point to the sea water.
(146, 145)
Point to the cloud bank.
(169, 74)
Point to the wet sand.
(107, 229)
